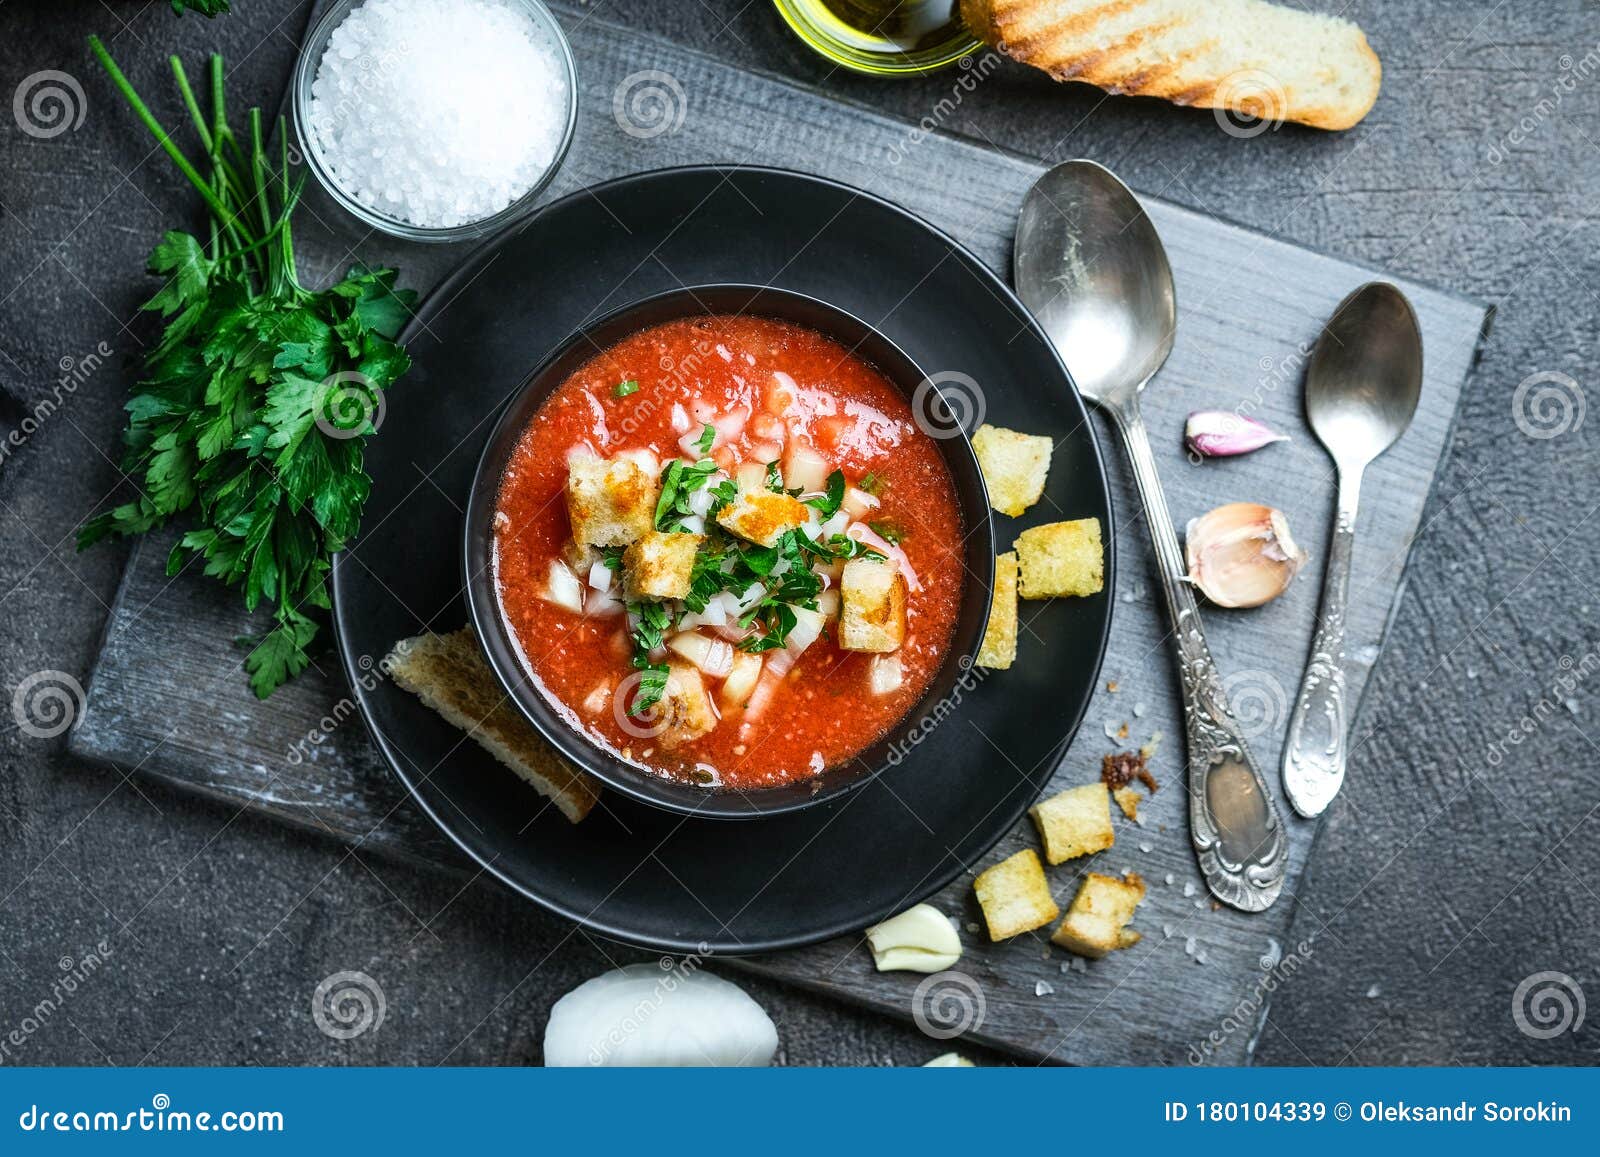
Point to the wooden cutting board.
(167, 697)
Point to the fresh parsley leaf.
(872, 483)
(648, 633)
(774, 478)
(760, 559)
(828, 503)
(678, 482)
(623, 389)
(652, 685)
(706, 440)
(844, 546)
(888, 531)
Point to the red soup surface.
(725, 396)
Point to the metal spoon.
(1361, 391)
(1090, 266)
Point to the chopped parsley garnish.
(828, 502)
(872, 483)
(648, 634)
(843, 546)
(678, 482)
(707, 439)
(774, 478)
(888, 531)
(623, 389)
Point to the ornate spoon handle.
(1237, 834)
(1314, 754)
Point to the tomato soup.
(727, 553)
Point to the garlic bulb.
(1222, 434)
(648, 1016)
(1242, 555)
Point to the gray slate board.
(167, 697)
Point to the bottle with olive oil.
(882, 37)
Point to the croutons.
(1128, 800)
(659, 566)
(1061, 558)
(873, 606)
(1097, 921)
(685, 707)
(610, 503)
(1015, 896)
(762, 516)
(1075, 822)
(999, 648)
(1014, 467)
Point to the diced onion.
(759, 699)
(700, 501)
(741, 681)
(565, 590)
(764, 452)
(680, 418)
(805, 468)
(731, 425)
(693, 524)
(690, 442)
(703, 410)
(603, 603)
(835, 524)
(784, 393)
(807, 628)
(865, 535)
(828, 604)
(885, 674)
(750, 598)
(712, 656)
(780, 663)
(858, 503)
(752, 476)
(601, 576)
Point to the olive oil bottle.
(882, 37)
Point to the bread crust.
(1036, 33)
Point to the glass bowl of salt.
(436, 120)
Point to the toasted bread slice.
(1255, 58)
(449, 674)
(999, 648)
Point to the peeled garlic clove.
(1223, 434)
(1242, 555)
(950, 1061)
(646, 1015)
(920, 939)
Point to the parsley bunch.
(252, 409)
(204, 7)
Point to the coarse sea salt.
(439, 112)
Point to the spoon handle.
(1237, 834)
(1314, 754)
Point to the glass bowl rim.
(305, 72)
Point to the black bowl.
(927, 398)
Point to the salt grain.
(1040, 988)
(439, 112)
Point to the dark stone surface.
(1450, 869)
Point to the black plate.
(934, 411)
(630, 871)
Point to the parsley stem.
(163, 138)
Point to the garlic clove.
(950, 1061)
(1223, 434)
(1242, 554)
(920, 939)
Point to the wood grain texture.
(168, 698)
